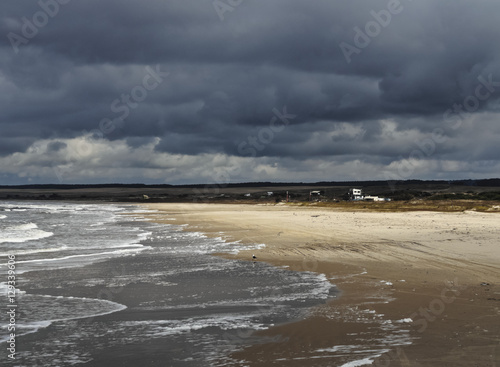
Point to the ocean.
(96, 284)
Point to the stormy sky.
(185, 91)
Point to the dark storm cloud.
(225, 77)
(56, 146)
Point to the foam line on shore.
(33, 326)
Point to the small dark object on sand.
(254, 257)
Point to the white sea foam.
(24, 329)
(36, 251)
(361, 362)
(4, 288)
(407, 320)
(90, 307)
(23, 227)
(97, 254)
(338, 348)
(348, 350)
(239, 248)
(58, 207)
(309, 289)
(22, 233)
(2, 216)
(210, 246)
(159, 328)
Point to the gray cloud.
(84, 71)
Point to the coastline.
(172, 304)
(433, 272)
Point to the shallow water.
(157, 284)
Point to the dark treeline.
(492, 182)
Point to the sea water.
(163, 292)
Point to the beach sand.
(436, 273)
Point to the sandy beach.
(436, 273)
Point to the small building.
(356, 194)
(270, 193)
(314, 195)
(373, 198)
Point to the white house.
(356, 194)
(373, 198)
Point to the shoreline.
(426, 268)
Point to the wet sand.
(436, 273)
